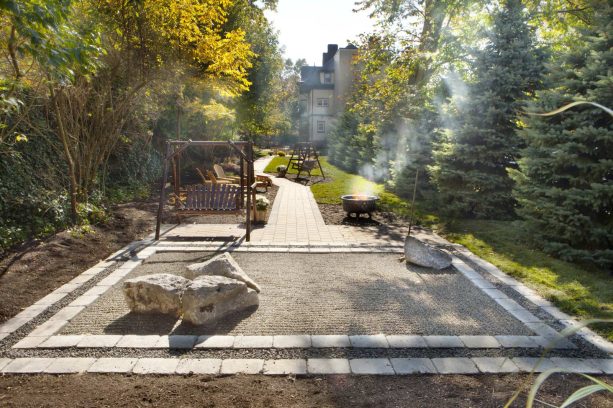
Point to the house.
(324, 91)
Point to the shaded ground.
(356, 294)
(261, 391)
(333, 214)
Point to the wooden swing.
(304, 158)
(209, 198)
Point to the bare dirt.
(30, 274)
(261, 391)
(333, 214)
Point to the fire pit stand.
(359, 204)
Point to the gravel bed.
(320, 294)
(290, 353)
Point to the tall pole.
(162, 195)
(413, 202)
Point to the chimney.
(332, 48)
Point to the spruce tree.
(470, 169)
(565, 179)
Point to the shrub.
(281, 153)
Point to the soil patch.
(31, 274)
(261, 391)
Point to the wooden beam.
(162, 189)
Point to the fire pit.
(359, 204)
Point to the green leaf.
(582, 393)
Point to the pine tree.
(470, 169)
(565, 179)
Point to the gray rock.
(420, 253)
(155, 293)
(222, 265)
(209, 298)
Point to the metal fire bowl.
(359, 204)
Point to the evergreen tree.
(565, 179)
(470, 168)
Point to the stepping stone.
(68, 312)
(406, 341)
(99, 341)
(245, 366)
(30, 342)
(4, 362)
(136, 341)
(495, 365)
(413, 366)
(480, 341)
(322, 341)
(529, 364)
(215, 342)
(28, 365)
(516, 341)
(375, 366)
(369, 341)
(296, 341)
(443, 341)
(455, 365)
(577, 365)
(49, 328)
(112, 365)
(199, 366)
(253, 342)
(176, 342)
(605, 365)
(61, 341)
(285, 367)
(328, 366)
(156, 366)
(69, 365)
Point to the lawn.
(578, 290)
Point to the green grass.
(576, 289)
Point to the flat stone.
(199, 366)
(61, 341)
(369, 341)
(330, 341)
(423, 254)
(495, 365)
(536, 364)
(245, 366)
(30, 342)
(99, 341)
(523, 315)
(157, 293)
(84, 300)
(413, 366)
(156, 366)
(556, 313)
(30, 312)
(406, 341)
(285, 367)
(68, 288)
(138, 341)
(375, 366)
(69, 365)
(51, 298)
(575, 365)
(4, 362)
(603, 364)
(483, 284)
(495, 293)
(443, 341)
(516, 341)
(295, 341)
(113, 365)
(207, 299)
(222, 265)
(28, 365)
(455, 365)
(176, 342)
(480, 341)
(508, 304)
(14, 324)
(253, 341)
(49, 328)
(554, 342)
(214, 342)
(68, 312)
(96, 290)
(328, 366)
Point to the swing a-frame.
(208, 198)
(304, 158)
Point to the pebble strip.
(315, 366)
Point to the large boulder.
(423, 254)
(208, 298)
(155, 293)
(222, 265)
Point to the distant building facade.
(324, 91)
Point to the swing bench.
(209, 198)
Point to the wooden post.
(249, 182)
(243, 187)
(162, 195)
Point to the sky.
(306, 27)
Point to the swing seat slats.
(211, 199)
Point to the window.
(321, 126)
(322, 102)
(327, 77)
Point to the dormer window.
(327, 77)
